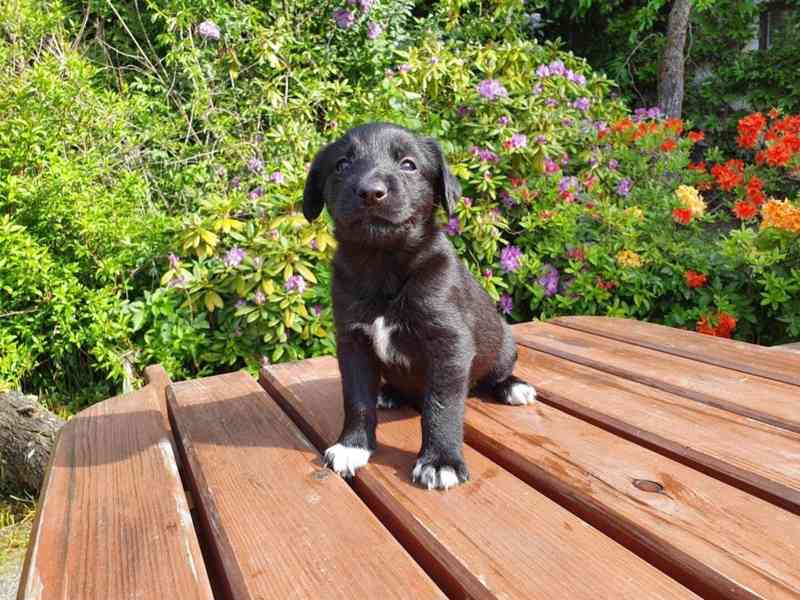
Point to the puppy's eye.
(408, 165)
(343, 165)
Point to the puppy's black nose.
(372, 192)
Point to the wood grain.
(279, 524)
(719, 540)
(493, 537)
(732, 354)
(757, 457)
(767, 400)
(113, 521)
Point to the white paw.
(384, 402)
(521, 394)
(431, 477)
(345, 460)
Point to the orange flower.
(675, 125)
(682, 215)
(695, 279)
(781, 215)
(774, 113)
(701, 166)
(622, 125)
(725, 324)
(516, 181)
(696, 136)
(668, 145)
(744, 210)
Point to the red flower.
(778, 154)
(744, 210)
(668, 145)
(725, 325)
(755, 191)
(750, 128)
(516, 182)
(682, 215)
(695, 279)
(696, 136)
(701, 167)
(606, 285)
(576, 253)
(675, 125)
(774, 113)
(729, 175)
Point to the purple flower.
(537, 89)
(313, 245)
(364, 5)
(174, 261)
(255, 165)
(601, 126)
(434, 60)
(582, 104)
(567, 122)
(404, 68)
(505, 304)
(274, 233)
(277, 177)
(484, 154)
(256, 193)
(463, 111)
(317, 309)
(374, 30)
(260, 297)
(510, 258)
(550, 166)
(639, 114)
(518, 140)
(240, 303)
(568, 184)
(551, 102)
(654, 112)
(557, 68)
(542, 71)
(624, 187)
(491, 89)
(344, 18)
(177, 282)
(575, 77)
(503, 120)
(613, 164)
(549, 281)
(234, 257)
(208, 30)
(488, 273)
(453, 226)
(506, 199)
(540, 139)
(295, 283)
(467, 201)
(236, 182)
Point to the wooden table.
(658, 463)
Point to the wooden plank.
(732, 354)
(493, 537)
(773, 402)
(113, 521)
(717, 539)
(788, 348)
(278, 524)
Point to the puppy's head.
(381, 184)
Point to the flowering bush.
(173, 218)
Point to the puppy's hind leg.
(502, 385)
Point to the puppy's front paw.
(346, 459)
(520, 393)
(441, 475)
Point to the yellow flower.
(628, 258)
(635, 212)
(690, 198)
(781, 215)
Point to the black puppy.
(405, 306)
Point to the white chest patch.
(381, 334)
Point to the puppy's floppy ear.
(447, 189)
(313, 193)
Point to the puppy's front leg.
(360, 377)
(441, 460)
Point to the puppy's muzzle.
(372, 192)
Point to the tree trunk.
(27, 434)
(671, 72)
